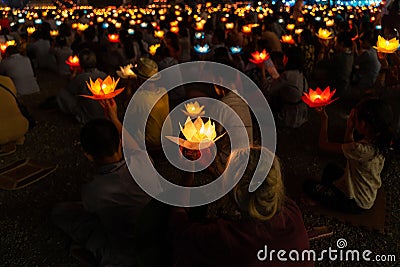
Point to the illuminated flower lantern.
(3, 47)
(153, 49)
(246, 29)
(258, 57)
(287, 39)
(82, 27)
(174, 29)
(199, 26)
(126, 72)
(100, 19)
(318, 98)
(159, 34)
(300, 19)
(193, 109)
(30, 30)
(103, 89)
(197, 134)
(290, 27)
(199, 35)
(73, 62)
(74, 25)
(298, 31)
(10, 43)
(113, 38)
(330, 23)
(202, 49)
(235, 50)
(229, 25)
(324, 34)
(54, 33)
(386, 46)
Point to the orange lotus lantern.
(287, 39)
(74, 25)
(103, 89)
(258, 57)
(153, 49)
(246, 29)
(229, 25)
(300, 19)
(3, 47)
(159, 34)
(199, 26)
(73, 61)
(318, 98)
(330, 23)
(174, 29)
(386, 46)
(298, 31)
(82, 27)
(126, 72)
(324, 34)
(193, 109)
(30, 30)
(290, 27)
(199, 135)
(54, 33)
(113, 38)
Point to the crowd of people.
(116, 223)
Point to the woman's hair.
(87, 59)
(295, 59)
(378, 116)
(267, 199)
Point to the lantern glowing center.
(193, 109)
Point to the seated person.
(19, 69)
(284, 93)
(267, 217)
(69, 99)
(103, 223)
(354, 189)
(13, 125)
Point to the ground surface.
(28, 238)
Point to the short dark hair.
(295, 59)
(345, 39)
(87, 59)
(100, 138)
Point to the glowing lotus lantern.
(229, 25)
(193, 109)
(324, 34)
(318, 98)
(198, 135)
(235, 49)
(153, 49)
(298, 31)
(74, 25)
(3, 47)
(100, 19)
(246, 29)
(174, 29)
(258, 57)
(113, 38)
(126, 72)
(202, 49)
(199, 26)
(287, 39)
(330, 23)
(159, 34)
(103, 89)
(73, 61)
(300, 19)
(199, 35)
(386, 46)
(54, 33)
(30, 30)
(10, 43)
(82, 27)
(290, 27)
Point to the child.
(354, 189)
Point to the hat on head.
(147, 68)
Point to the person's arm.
(323, 141)
(348, 136)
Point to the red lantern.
(318, 98)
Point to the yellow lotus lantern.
(126, 72)
(386, 46)
(229, 25)
(300, 19)
(246, 29)
(287, 39)
(199, 135)
(153, 49)
(174, 29)
(30, 30)
(159, 34)
(10, 43)
(54, 33)
(290, 27)
(298, 31)
(100, 19)
(103, 89)
(82, 27)
(199, 26)
(193, 109)
(330, 23)
(324, 34)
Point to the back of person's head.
(90, 33)
(368, 39)
(219, 36)
(11, 50)
(87, 59)
(307, 37)
(61, 41)
(100, 139)
(344, 38)
(221, 54)
(295, 59)
(266, 201)
(378, 117)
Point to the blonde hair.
(266, 200)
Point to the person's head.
(87, 59)
(11, 50)
(293, 59)
(101, 142)
(266, 201)
(218, 36)
(89, 34)
(367, 39)
(373, 119)
(61, 41)
(306, 37)
(146, 68)
(343, 41)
